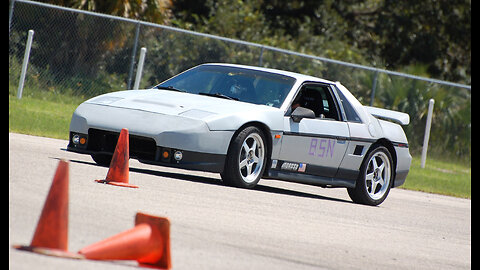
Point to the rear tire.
(246, 159)
(375, 178)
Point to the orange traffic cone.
(51, 234)
(118, 172)
(148, 243)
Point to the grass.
(40, 117)
(49, 114)
(441, 177)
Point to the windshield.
(234, 83)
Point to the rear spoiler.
(397, 117)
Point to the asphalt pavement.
(278, 225)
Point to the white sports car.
(249, 122)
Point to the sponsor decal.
(289, 166)
(322, 148)
(302, 167)
(274, 164)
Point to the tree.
(410, 32)
(155, 11)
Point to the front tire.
(375, 179)
(102, 159)
(246, 159)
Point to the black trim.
(310, 169)
(145, 150)
(323, 176)
(358, 150)
(356, 139)
(313, 174)
(191, 161)
(341, 138)
(311, 179)
(310, 135)
(347, 174)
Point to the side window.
(317, 98)
(350, 112)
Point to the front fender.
(273, 119)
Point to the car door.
(316, 145)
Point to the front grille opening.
(106, 141)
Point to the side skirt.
(309, 179)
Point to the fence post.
(132, 62)
(25, 64)
(143, 50)
(260, 59)
(10, 15)
(427, 132)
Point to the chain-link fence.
(84, 54)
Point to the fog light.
(178, 155)
(76, 139)
(165, 156)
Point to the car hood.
(209, 109)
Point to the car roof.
(298, 76)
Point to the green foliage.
(384, 33)
(423, 38)
(451, 123)
(434, 33)
(44, 83)
(84, 56)
(157, 11)
(441, 177)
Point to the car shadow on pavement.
(179, 176)
(290, 192)
(218, 182)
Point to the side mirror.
(299, 113)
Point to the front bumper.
(172, 131)
(145, 150)
(150, 135)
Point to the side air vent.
(358, 150)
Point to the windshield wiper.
(217, 95)
(171, 88)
